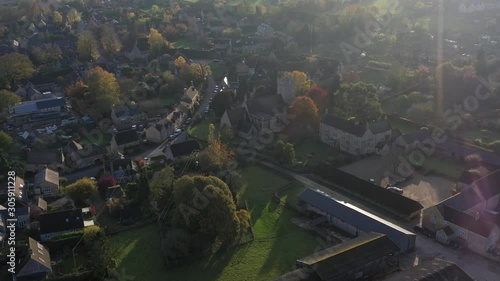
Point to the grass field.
(168, 101)
(278, 242)
(185, 44)
(313, 152)
(88, 140)
(200, 131)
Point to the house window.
(433, 218)
(21, 224)
(47, 190)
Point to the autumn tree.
(155, 41)
(357, 100)
(179, 61)
(195, 72)
(216, 157)
(73, 16)
(78, 90)
(104, 182)
(300, 80)
(87, 47)
(306, 112)
(219, 220)
(8, 99)
(160, 189)
(320, 98)
(109, 40)
(102, 83)
(81, 190)
(57, 17)
(15, 67)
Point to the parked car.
(424, 231)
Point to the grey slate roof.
(380, 126)
(37, 262)
(235, 115)
(267, 105)
(335, 261)
(47, 175)
(348, 126)
(37, 105)
(184, 148)
(61, 221)
(125, 137)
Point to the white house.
(352, 136)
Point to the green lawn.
(277, 245)
(88, 140)
(442, 167)
(313, 152)
(185, 44)
(200, 131)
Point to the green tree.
(7, 100)
(288, 157)
(109, 40)
(87, 47)
(481, 64)
(218, 218)
(81, 190)
(357, 100)
(226, 134)
(15, 67)
(160, 189)
(99, 251)
(195, 72)
(156, 41)
(5, 142)
(211, 133)
(421, 112)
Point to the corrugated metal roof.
(355, 216)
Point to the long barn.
(354, 220)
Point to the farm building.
(436, 269)
(370, 255)
(354, 220)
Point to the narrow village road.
(477, 267)
(184, 135)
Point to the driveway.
(428, 190)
